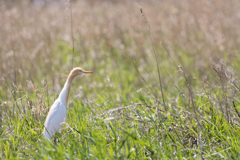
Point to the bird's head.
(76, 72)
(79, 71)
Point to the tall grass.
(118, 112)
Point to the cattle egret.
(57, 113)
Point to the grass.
(118, 112)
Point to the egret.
(57, 113)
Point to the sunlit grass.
(117, 112)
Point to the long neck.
(64, 94)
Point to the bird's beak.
(87, 72)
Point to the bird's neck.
(64, 94)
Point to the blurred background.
(36, 41)
(110, 36)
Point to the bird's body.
(56, 117)
(57, 113)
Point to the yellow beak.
(87, 72)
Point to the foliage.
(118, 112)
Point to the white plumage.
(56, 117)
(57, 113)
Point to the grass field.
(121, 111)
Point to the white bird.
(57, 113)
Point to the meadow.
(165, 83)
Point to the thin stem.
(159, 75)
(70, 4)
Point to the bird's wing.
(53, 111)
(55, 117)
